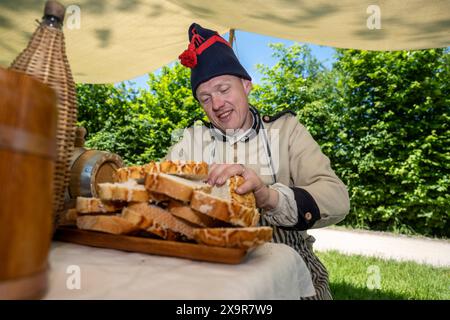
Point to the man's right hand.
(265, 197)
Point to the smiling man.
(224, 99)
(292, 180)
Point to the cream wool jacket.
(286, 157)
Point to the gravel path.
(382, 244)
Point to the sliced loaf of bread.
(129, 191)
(107, 224)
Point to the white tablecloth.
(271, 271)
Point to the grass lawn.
(352, 275)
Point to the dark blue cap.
(209, 55)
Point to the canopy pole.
(231, 38)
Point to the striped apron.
(318, 272)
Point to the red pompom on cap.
(189, 57)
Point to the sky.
(252, 49)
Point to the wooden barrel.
(88, 169)
(27, 154)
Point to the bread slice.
(108, 224)
(148, 224)
(185, 212)
(156, 198)
(247, 199)
(96, 205)
(174, 186)
(187, 169)
(243, 238)
(126, 173)
(156, 220)
(128, 191)
(69, 218)
(225, 204)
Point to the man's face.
(224, 99)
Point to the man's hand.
(266, 198)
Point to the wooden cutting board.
(153, 246)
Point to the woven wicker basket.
(45, 59)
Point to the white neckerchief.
(232, 139)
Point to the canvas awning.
(121, 39)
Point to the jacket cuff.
(285, 213)
(307, 209)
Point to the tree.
(96, 105)
(383, 120)
(395, 138)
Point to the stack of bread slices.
(169, 200)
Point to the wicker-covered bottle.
(45, 59)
